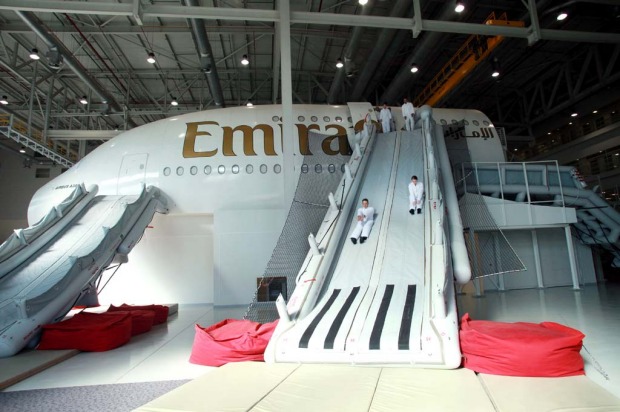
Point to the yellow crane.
(471, 53)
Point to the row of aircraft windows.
(465, 122)
(249, 169)
(312, 119)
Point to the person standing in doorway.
(385, 116)
(416, 192)
(409, 115)
(365, 220)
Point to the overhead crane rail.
(471, 53)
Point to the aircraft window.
(326, 118)
(263, 168)
(249, 169)
(476, 123)
(301, 118)
(277, 169)
(275, 118)
(166, 171)
(318, 168)
(466, 122)
(193, 170)
(338, 119)
(443, 121)
(235, 169)
(350, 120)
(207, 170)
(304, 168)
(454, 121)
(331, 168)
(314, 119)
(342, 168)
(221, 169)
(484, 122)
(180, 171)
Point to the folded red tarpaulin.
(521, 349)
(91, 332)
(231, 341)
(141, 320)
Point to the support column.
(539, 277)
(288, 132)
(33, 87)
(571, 257)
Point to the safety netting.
(321, 174)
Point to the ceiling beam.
(301, 17)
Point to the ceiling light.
(595, 111)
(562, 16)
(339, 63)
(244, 60)
(414, 68)
(362, 2)
(574, 114)
(548, 132)
(84, 100)
(22, 150)
(495, 73)
(34, 54)
(151, 58)
(4, 100)
(460, 6)
(249, 104)
(570, 122)
(174, 102)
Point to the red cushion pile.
(521, 349)
(96, 332)
(159, 311)
(231, 341)
(89, 332)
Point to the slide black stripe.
(333, 330)
(375, 336)
(405, 324)
(305, 338)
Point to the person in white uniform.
(365, 220)
(409, 114)
(416, 192)
(385, 115)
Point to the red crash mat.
(231, 341)
(91, 332)
(160, 311)
(141, 320)
(521, 349)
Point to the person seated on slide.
(365, 220)
(416, 191)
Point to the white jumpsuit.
(363, 226)
(385, 116)
(415, 195)
(408, 114)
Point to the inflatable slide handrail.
(315, 268)
(38, 235)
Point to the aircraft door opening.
(132, 174)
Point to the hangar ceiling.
(98, 50)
